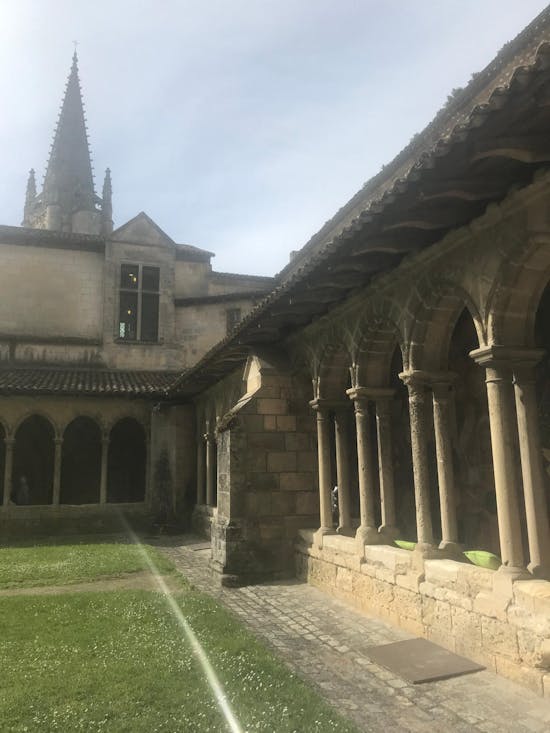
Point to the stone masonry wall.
(469, 610)
(267, 481)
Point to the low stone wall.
(17, 522)
(478, 613)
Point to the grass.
(117, 662)
(27, 567)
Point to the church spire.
(69, 181)
(68, 201)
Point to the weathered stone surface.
(286, 423)
(272, 407)
(436, 615)
(392, 558)
(306, 502)
(298, 481)
(526, 676)
(280, 461)
(269, 441)
(500, 637)
(442, 572)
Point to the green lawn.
(25, 567)
(118, 661)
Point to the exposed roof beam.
(528, 149)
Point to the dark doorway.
(81, 462)
(2, 460)
(127, 462)
(33, 462)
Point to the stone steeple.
(68, 201)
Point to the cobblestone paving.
(325, 642)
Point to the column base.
(504, 579)
(388, 533)
(513, 572)
(346, 531)
(319, 534)
(425, 551)
(367, 536)
(540, 572)
(451, 550)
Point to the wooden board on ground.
(420, 660)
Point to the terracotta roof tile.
(53, 380)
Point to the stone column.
(149, 470)
(383, 400)
(502, 420)
(342, 470)
(104, 466)
(367, 533)
(58, 442)
(211, 478)
(8, 470)
(442, 407)
(324, 462)
(201, 466)
(418, 397)
(534, 492)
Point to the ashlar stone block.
(500, 637)
(281, 461)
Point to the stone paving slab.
(325, 641)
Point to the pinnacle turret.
(107, 207)
(30, 198)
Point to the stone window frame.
(233, 316)
(139, 291)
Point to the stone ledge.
(534, 595)
(340, 543)
(392, 558)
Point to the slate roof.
(82, 381)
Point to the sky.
(239, 126)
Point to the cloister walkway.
(325, 641)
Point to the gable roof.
(141, 229)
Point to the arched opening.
(335, 379)
(473, 462)
(2, 460)
(126, 462)
(33, 462)
(81, 462)
(405, 507)
(542, 341)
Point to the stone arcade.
(420, 314)
(95, 324)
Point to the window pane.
(129, 277)
(151, 279)
(233, 316)
(149, 317)
(127, 319)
